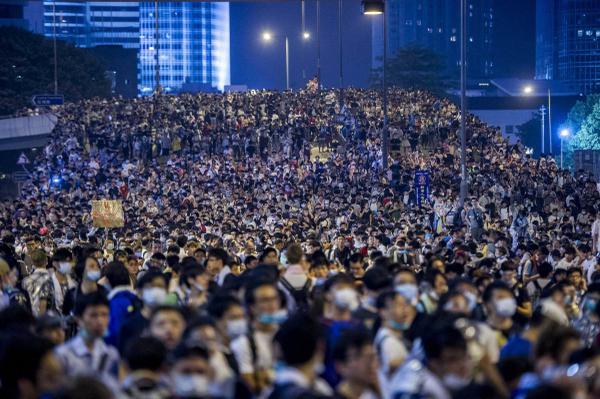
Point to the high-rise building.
(435, 24)
(193, 38)
(193, 46)
(93, 23)
(23, 14)
(568, 43)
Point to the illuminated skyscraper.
(435, 24)
(568, 43)
(193, 40)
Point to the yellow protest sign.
(107, 213)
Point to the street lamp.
(373, 7)
(377, 7)
(268, 37)
(528, 89)
(306, 35)
(564, 134)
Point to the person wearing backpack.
(475, 220)
(295, 282)
(300, 342)
(542, 280)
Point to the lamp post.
(268, 37)
(564, 134)
(377, 7)
(464, 185)
(529, 90)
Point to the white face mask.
(505, 307)
(154, 296)
(93, 275)
(65, 267)
(236, 328)
(409, 291)
(454, 382)
(190, 385)
(346, 298)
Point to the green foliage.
(581, 110)
(27, 68)
(413, 67)
(588, 135)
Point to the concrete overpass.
(26, 132)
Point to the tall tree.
(27, 68)
(414, 67)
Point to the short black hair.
(62, 254)
(489, 290)
(218, 253)
(145, 353)
(189, 349)
(356, 338)
(298, 339)
(148, 277)
(442, 337)
(190, 271)
(20, 358)
(219, 304)
(377, 278)
(116, 273)
(88, 300)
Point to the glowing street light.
(528, 89)
(564, 134)
(267, 36)
(306, 35)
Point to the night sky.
(262, 65)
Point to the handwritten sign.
(107, 213)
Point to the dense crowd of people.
(251, 265)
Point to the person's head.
(191, 373)
(556, 344)
(92, 313)
(545, 269)
(264, 303)
(589, 304)
(120, 256)
(28, 367)
(446, 354)
(8, 275)
(509, 273)
(294, 254)
(145, 353)
(570, 253)
(229, 316)
(39, 258)
(194, 279)
(133, 265)
(52, 328)
(300, 341)
(152, 288)
(269, 256)
(340, 293)
(62, 261)
(357, 265)
(574, 275)
(200, 255)
(216, 261)
(355, 357)
(203, 329)
(396, 310)
(117, 275)
(437, 282)
(499, 300)
(167, 324)
(405, 276)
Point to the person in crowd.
(124, 302)
(167, 324)
(62, 263)
(28, 367)
(253, 351)
(300, 343)
(356, 362)
(190, 375)
(152, 289)
(144, 362)
(87, 353)
(39, 285)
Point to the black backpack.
(300, 295)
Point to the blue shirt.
(516, 347)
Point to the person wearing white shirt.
(596, 234)
(254, 350)
(446, 368)
(86, 353)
